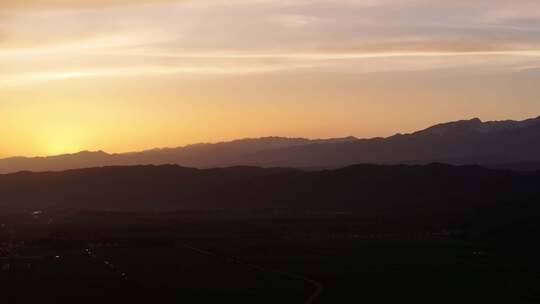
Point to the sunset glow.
(117, 76)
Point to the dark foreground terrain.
(255, 258)
(384, 234)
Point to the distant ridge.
(434, 189)
(202, 155)
(501, 144)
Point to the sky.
(126, 75)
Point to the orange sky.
(111, 75)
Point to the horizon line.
(351, 137)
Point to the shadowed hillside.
(254, 235)
(432, 193)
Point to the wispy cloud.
(100, 38)
(56, 4)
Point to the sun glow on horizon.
(62, 140)
(60, 148)
(124, 76)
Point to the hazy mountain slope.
(199, 155)
(463, 142)
(219, 154)
(83, 159)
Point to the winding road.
(318, 286)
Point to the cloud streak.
(72, 4)
(176, 37)
(197, 65)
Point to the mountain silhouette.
(198, 155)
(410, 194)
(498, 144)
(462, 142)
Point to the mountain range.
(500, 144)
